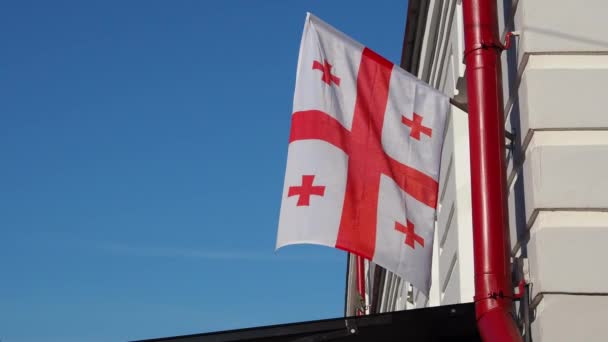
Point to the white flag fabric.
(364, 153)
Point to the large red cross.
(366, 157)
(327, 76)
(410, 235)
(416, 126)
(306, 190)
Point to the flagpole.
(361, 284)
(491, 248)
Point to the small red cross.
(306, 190)
(410, 235)
(327, 76)
(416, 126)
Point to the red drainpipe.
(493, 288)
(361, 284)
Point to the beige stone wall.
(556, 77)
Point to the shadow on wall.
(517, 188)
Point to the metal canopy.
(441, 323)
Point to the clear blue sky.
(142, 153)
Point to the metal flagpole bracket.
(460, 105)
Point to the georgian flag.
(364, 152)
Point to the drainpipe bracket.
(493, 44)
(496, 295)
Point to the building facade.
(554, 76)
